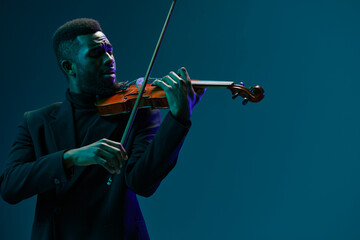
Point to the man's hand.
(180, 94)
(104, 152)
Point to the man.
(65, 153)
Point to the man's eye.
(97, 52)
(109, 49)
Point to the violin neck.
(210, 84)
(207, 83)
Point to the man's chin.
(110, 88)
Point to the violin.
(154, 97)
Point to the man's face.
(95, 65)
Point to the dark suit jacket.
(84, 206)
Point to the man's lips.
(110, 71)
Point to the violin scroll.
(253, 94)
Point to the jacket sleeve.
(24, 175)
(154, 152)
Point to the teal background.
(284, 168)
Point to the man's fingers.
(116, 146)
(113, 150)
(113, 153)
(176, 78)
(183, 74)
(112, 143)
(101, 161)
(162, 84)
(111, 158)
(169, 81)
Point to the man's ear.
(68, 67)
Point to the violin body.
(124, 100)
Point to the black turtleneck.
(85, 113)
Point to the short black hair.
(63, 38)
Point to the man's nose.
(109, 59)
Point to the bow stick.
(135, 108)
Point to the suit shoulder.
(44, 111)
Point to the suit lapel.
(62, 127)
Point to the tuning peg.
(245, 101)
(235, 95)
